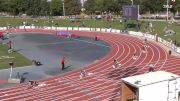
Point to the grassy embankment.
(21, 61)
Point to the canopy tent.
(152, 86)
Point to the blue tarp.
(63, 33)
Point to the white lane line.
(53, 43)
(92, 43)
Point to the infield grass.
(18, 59)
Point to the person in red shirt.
(2, 35)
(63, 63)
(96, 38)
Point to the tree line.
(151, 6)
(40, 7)
(74, 7)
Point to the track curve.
(104, 84)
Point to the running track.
(105, 82)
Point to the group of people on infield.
(5, 36)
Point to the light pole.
(167, 10)
(167, 6)
(83, 3)
(11, 65)
(64, 13)
(132, 2)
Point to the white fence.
(140, 34)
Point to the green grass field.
(157, 25)
(19, 60)
(22, 61)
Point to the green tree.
(89, 6)
(72, 7)
(44, 8)
(14, 9)
(111, 6)
(153, 6)
(56, 7)
(176, 6)
(38, 7)
(99, 5)
(93, 6)
(6, 5)
(23, 6)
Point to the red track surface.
(105, 83)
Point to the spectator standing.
(150, 27)
(96, 38)
(156, 36)
(63, 63)
(10, 46)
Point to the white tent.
(153, 86)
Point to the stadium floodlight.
(64, 14)
(132, 2)
(167, 6)
(167, 10)
(13, 80)
(11, 65)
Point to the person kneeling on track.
(83, 74)
(134, 56)
(96, 38)
(151, 68)
(32, 84)
(116, 64)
